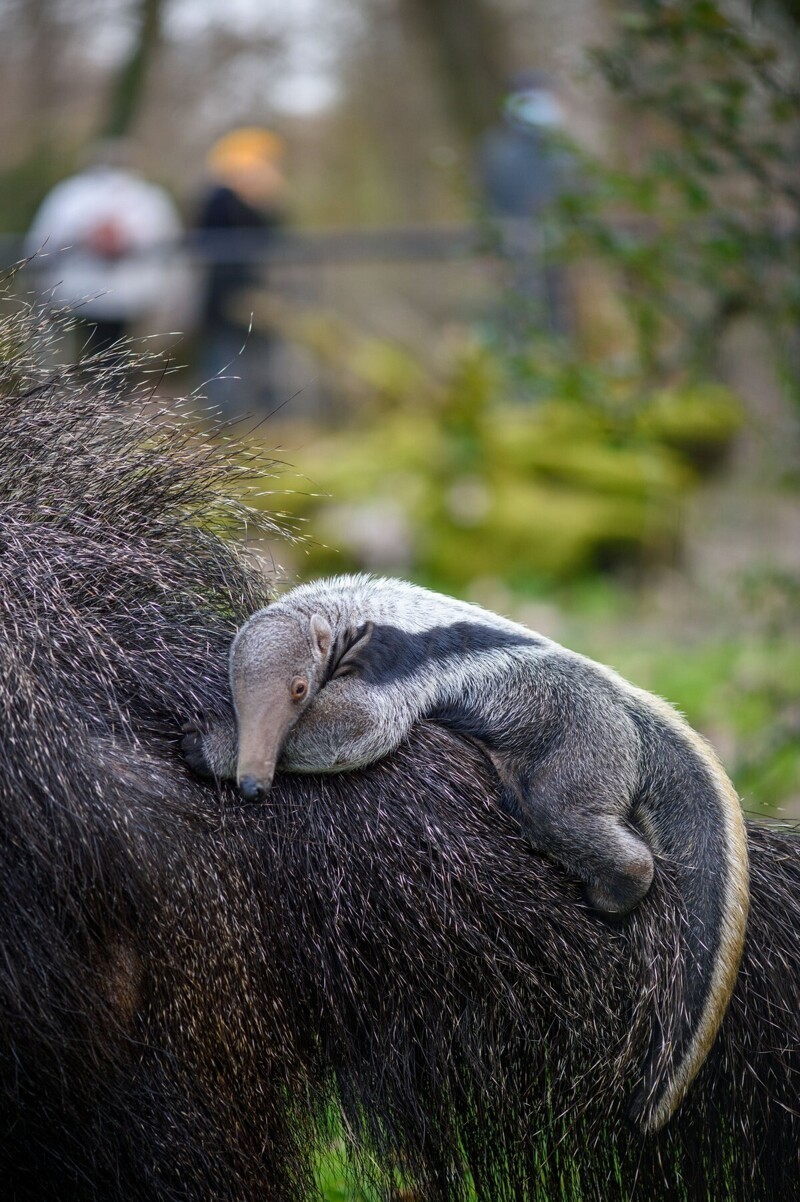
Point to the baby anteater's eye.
(298, 688)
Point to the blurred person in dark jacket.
(238, 216)
(522, 169)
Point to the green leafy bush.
(452, 482)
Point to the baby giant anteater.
(334, 675)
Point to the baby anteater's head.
(278, 665)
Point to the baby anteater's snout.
(253, 789)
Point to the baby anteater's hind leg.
(623, 879)
(613, 862)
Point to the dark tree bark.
(467, 37)
(128, 86)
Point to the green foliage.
(335, 1176)
(705, 224)
(479, 486)
(695, 421)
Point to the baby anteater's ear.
(354, 648)
(321, 636)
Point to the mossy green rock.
(700, 422)
(530, 499)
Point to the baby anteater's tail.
(694, 821)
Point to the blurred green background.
(625, 478)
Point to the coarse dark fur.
(189, 987)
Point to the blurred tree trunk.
(467, 38)
(790, 9)
(128, 86)
(39, 20)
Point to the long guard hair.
(191, 989)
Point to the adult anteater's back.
(186, 982)
(131, 1065)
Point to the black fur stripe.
(393, 654)
(343, 642)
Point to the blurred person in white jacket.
(104, 242)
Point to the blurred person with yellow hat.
(240, 211)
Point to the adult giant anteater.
(191, 987)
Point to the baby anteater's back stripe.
(394, 654)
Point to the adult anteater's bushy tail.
(190, 988)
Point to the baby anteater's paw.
(211, 748)
(623, 888)
(193, 749)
